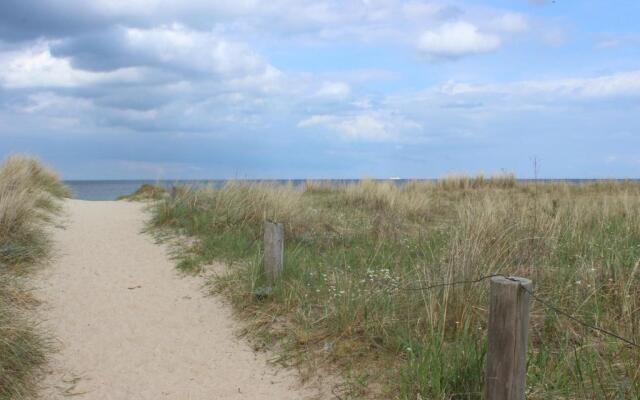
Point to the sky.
(292, 89)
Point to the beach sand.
(129, 327)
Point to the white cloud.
(511, 22)
(268, 80)
(606, 86)
(34, 66)
(200, 74)
(158, 56)
(334, 90)
(205, 52)
(455, 40)
(52, 103)
(366, 127)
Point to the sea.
(102, 190)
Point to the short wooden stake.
(506, 368)
(273, 250)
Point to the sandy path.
(131, 328)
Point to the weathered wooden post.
(506, 368)
(273, 250)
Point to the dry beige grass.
(29, 199)
(350, 249)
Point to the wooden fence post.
(273, 249)
(506, 368)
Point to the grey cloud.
(188, 54)
(204, 95)
(287, 19)
(30, 19)
(100, 51)
(133, 98)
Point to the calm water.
(110, 190)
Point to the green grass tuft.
(350, 249)
(30, 198)
(146, 191)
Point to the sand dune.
(130, 328)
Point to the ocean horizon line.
(329, 179)
(111, 189)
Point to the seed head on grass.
(351, 249)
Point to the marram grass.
(351, 250)
(29, 199)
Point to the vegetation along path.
(130, 328)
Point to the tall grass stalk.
(352, 250)
(30, 198)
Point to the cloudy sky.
(321, 88)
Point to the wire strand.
(544, 302)
(482, 278)
(583, 323)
